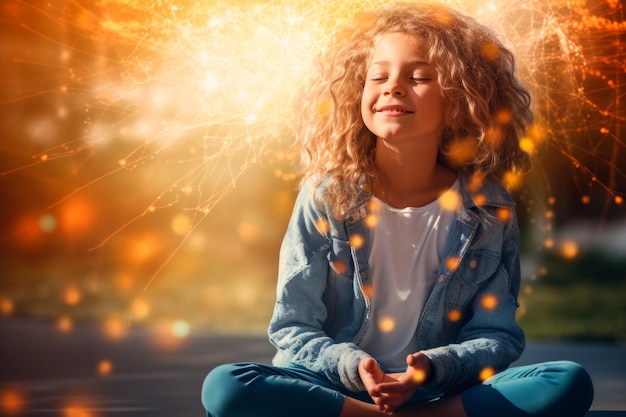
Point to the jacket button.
(441, 278)
(473, 263)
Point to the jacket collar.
(489, 192)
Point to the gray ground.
(56, 370)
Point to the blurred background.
(146, 160)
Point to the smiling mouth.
(392, 110)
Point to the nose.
(394, 87)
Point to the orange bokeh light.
(11, 401)
(489, 302)
(77, 216)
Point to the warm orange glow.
(140, 309)
(76, 411)
(489, 302)
(504, 214)
(322, 226)
(115, 328)
(357, 241)
(340, 266)
(418, 375)
(181, 224)
(461, 151)
(27, 231)
(64, 324)
(486, 373)
(452, 263)
(371, 221)
(513, 180)
(105, 367)
(569, 249)
(143, 248)
(72, 296)
(480, 200)
(450, 200)
(6, 306)
(527, 145)
(368, 290)
(248, 232)
(12, 401)
(386, 324)
(77, 216)
(454, 315)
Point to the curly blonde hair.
(487, 109)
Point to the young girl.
(399, 272)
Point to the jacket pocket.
(477, 266)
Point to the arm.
(491, 337)
(297, 325)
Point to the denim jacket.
(468, 323)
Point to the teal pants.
(550, 389)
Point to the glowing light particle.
(64, 324)
(248, 232)
(323, 226)
(72, 296)
(450, 200)
(339, 266)
(569, 249)
(180, 329)
(356, 241)
(418, 375)
(181, 224)
(368, 290)
(386, 324)
(548, 243)
(512, 180)
(452, 263)
(114, 328)
(76, 411)
(6, 306)
(618, 199)
(504, 214)
(141, 309)
(486, 373)
(105, 367)
(480, 199)
(461, 151)
(454, 315)
(489, 302)
(11, 401)
(527, 145)
(371, 221)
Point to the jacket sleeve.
(296, 327)
(491, 339)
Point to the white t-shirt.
(406, 249)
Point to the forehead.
(398, 46)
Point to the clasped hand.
(390, 391)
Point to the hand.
(389, 391)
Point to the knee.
(578, 386)
(221, 390)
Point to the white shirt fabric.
(406, 251)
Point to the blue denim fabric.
(322, 310)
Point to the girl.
(399, 271)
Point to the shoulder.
(486, 192)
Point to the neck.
(408, 175)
